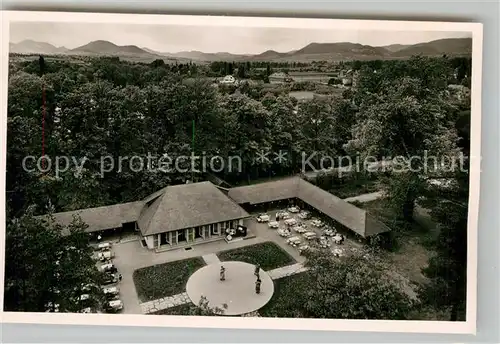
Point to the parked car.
(87, 310)
(323, 242)
(104, 246)
(263, 218)
(294, 241)
(290, 222)
(338, 252)
(283, 215)
(110, 278)
(113, 306)
(317, 223)
(283, 232)
(329, 232)
(273, 224)
(109, 267)
(309, 235)
(294, 209)
(105, 255)
(303, 248)
(299, 229)
(111, 290)
(304, 215)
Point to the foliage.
(45, 268)
(334, 288)
(157, 281)
(267, 255)
(448, 269)
(352, 288)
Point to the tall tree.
(46, 270)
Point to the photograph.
(307, 173)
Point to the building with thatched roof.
(189, 214)
(176, 215)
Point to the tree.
(41, 63)
(205, 309)
(47, 270)
(448, 269)
(351, 288)
(406, 120)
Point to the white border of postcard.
(467, 327)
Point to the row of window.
(191, 234)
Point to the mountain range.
(313, 51)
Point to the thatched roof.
(100, 218)
(187, 206)
(266, 192)
(354, 218)
(171, 208)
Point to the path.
(368, 197)
(211, 258)
(183, 298)
(286, 271)
(164, 303)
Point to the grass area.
(284, 303)
(268, 255)
(416, 244)
(163, 280)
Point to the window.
(214, 228)
(206, 231)
(199, 232)
(174, 238)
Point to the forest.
(94, 107)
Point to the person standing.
(257, 271)
(257, 285)
(222, 273)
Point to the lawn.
(154, 282)
(416, 244)
(268, 255)
(284, 303)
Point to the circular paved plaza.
(237, 291)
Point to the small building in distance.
(229, 80)
(280, 78)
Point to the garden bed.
(154, 282)
(285, 303)
(268, 255)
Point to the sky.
(237, 40)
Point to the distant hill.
(33, 47)
(311, 52)
(105, 47)
(395, 47)
(270, 55)
(449, 46)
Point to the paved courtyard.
(236, 292)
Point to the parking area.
(295, 232)
(130, 256)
